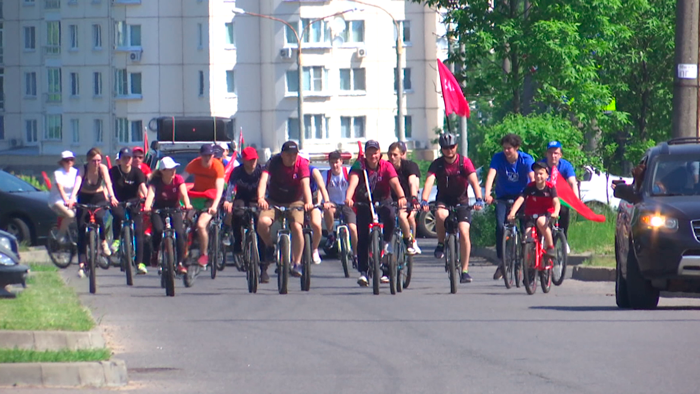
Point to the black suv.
(657, 240)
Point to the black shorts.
(464, 215)
(348, 214)
(530, 221)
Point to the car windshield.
(11, 184)
(183, 157)
(676, 176)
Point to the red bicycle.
(92, 230)
(535, 262)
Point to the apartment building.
(83, 73)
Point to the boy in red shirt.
(540, 198)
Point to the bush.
(33, 181)
(483, 227)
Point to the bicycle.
(283, 252)
(342, 242)
(376, 230)
(401, 263)
(215, 247)
(560, 244)
(535, 262)
(512, 252)
(168, 251)
(91, 231)
(62, 251)
(452, 248)
(251, 251)
(127, 246)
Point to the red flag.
(452, 93)
(47, 181)
(568, 197)
(109, 162)
(145, 140)
(229, 167)
(241, 140)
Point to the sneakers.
(384, 279)
(105, 249)
(81, 271)
(295, 270)
(439, 251)
(410, 250)
(317, 257)
(141, 270)
(551, 252)
(388, 249)
(498, 274)
(415, 247)
(568, 249)
(226, 239)
(362, 280)
(465, 278)
(115, 245)
(203, 260)
(330, 241)
(264, 277)
(181, 269)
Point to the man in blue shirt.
(566, 170)
(514, 170)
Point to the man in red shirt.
(382, 180)
(138, 153)
(288, 176)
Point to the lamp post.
(300, 70)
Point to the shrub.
(483, 227)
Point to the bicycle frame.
(541, 264)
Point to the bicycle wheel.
(529, 271)
(252, 262)
(92, 256)
(306, 264)
(213, 249)
(399, 266)
(283, 264)
(451, 259)
(344, 250)
(559, 268)
(61, 254)
(392, 267)
(168, 274)
(407, 270)
(546, 280)
(508, 247)
(376, 261)
(518, 262)
(126, 255)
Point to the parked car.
(657, 236)
(24, 210)
(596, 189)
(11, 271)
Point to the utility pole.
(685, 87)
(464, 143)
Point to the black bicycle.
(168, 250)
(400, 262)
(250, 258)
(127, 245)
(92, 235)
(376, 231)
(283, 251)
(61, 250)
(215, 248)
(452, 249)
(512, 251)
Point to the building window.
(73, 30)
(292, 81)
(52, 4)
(97, 36)
(407, 126)
(200, 35)
(121, 130)
(354, 32)
(230, 82)
(201, 83)
(30, 37)
(352, 79)
(315, 126)
(98, 131)
(127, 83)
(135, 83)
(136, 131)
(74, 84)
(231, 34)
(29, 2)
(352, 127)
(53, 131)
(30, 129)
(2, 40)
(53, 37)
(127, 35)
(75, 130)
(54, 89)
(405, 30)
(30, 84)
(315, 79)
(406, 80)
(318, 33)
(97, 84)
(2, 127)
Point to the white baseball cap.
(66, 154)
(223, 145)
(167, 163)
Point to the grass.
(33, 356)
(46, 304)
(597, 238)
(601, 261)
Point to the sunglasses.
(450, 147)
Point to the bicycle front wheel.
(451, 260)
(214, 250)
(252, 261)
(283, 264)
(529, 271)
(559, 268)
(60, 253)
(92, 257)
(508, 248)
(344, 250)
(376, 261)
(168, 274)
(126, 255)
(306, 264)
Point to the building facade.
(83, 73)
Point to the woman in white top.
(63, 193)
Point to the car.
(595, 189)
(24, 210)
(657, 235)
(11, 271)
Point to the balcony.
(2, 101)
(52, 4)
(52, 50)
(126, 2)
(52, 98)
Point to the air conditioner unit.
(361, 52)
(286, 53)
(135, 56)
(16, 142)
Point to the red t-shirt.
(539, 202)
(452, 179)
(145, 169)
(378, 181)
(167, 196)
(284, 185)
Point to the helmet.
(447, 139)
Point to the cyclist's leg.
(237, 225)
(387, 216)
(564, 219)
(66, 213)
(297, 228)
(317, 228)
(328, 216)
(178, 225)
(156, 234)
(203, 235)
(364, 218)
(100, 219)
(543, 226)
(405, 225)
(138, 232)
(441, 214)
(82, 215)
(465, 244)
(351, 221)
(118, 216)
(265, 220)
(501, 213)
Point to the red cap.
(249, 153)
(137, 149)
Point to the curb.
(51, 340)
(110, 373)
(489, 253)
(35, 256)
(593, 274)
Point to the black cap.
(290, 146)
(206, 149)
(371, 144)
(124, 152)
(539, 164)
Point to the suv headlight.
(660, 222)
(5, 242)
(6, 260)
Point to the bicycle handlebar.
(92, 207)
(168, 210)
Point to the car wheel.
(621, 296)
(19, 228)
(640, 293)
(426, 225)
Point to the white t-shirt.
(337, 186)
(65, 179)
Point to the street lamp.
(300, 70)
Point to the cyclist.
(514, 171)
(381, 179)
(454, 174)
(337, 186)
(129, 184)
(409, 175)
(208, 174)
(244, 183)
(94, 187)
(566, 170)
(288, 176)
(540, 198)
(138, 155)
(63, 193)
(166, 190)
(318, 195)
(225, 158)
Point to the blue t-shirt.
(511, 179)
(312, 182)
(565, 168)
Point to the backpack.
(329, 173)
(462, 168)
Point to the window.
(406, 79)
(352, 127)
(121, 85)
(316, 127)
(230, 34)
(2, 127)
(2, 88)
(135, 83)
(74, 84)
(136, 131)
(73, 30)
(53, 130)
(318, 33)
(30, 129)
(53, 37)
(29, 2)
(352, 79)
(54, 89)
(96, 36)
(354, 32)
(75, 130)
(97, 129)
(121, 130)
(405, 30)
(200, 35)
(2, 39)
(30, 84)
(135, 35)
(127, 35)
(292, 81)
(97, 84)
(30, 37)
(201, 83)
(315, 80)
(407, 126)
(52, 4)
(230, 81)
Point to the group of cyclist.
(289, 180)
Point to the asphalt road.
(339, 338)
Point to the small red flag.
(47, 181)
(229, 167)
(568, 197)
(145, 140)
(455, 103)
